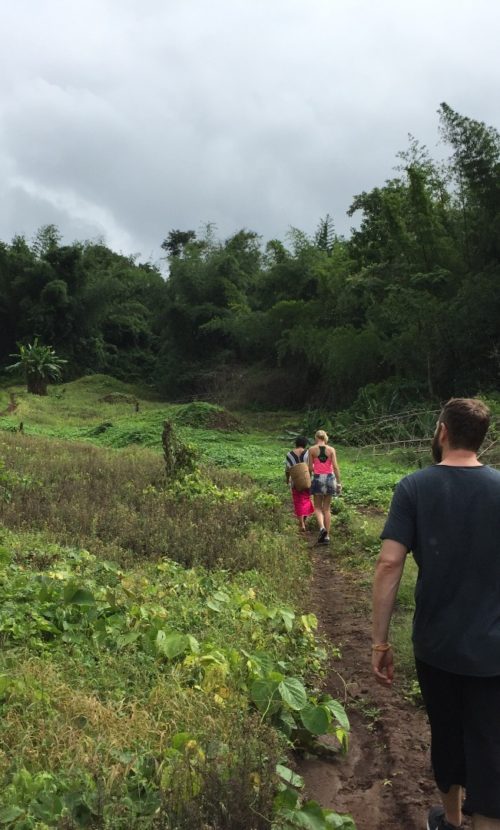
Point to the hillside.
(148, 626)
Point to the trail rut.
(11, 407)
(385, 780)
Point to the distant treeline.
(408, 306)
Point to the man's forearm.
(388, 572)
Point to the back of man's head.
(467, 420)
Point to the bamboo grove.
(405, 309)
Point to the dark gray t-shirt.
(449, 517)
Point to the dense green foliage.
(157, 659)
(407, 307)
(94, 307)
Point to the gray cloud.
(126, 119)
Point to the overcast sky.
(127, 118)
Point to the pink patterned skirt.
(302, 504)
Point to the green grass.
(102, 667)
(77, 411)
(137, 613)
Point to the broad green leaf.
(10, 814)
(264, 694)
(47, 806)
(293, 693)
(275, 676)
(336, 821)
(74, 595)
(172, 644)
(309, 622)
(289, 776)
(261, 610)
(338, 712)
(315, 719)
(214, 605)
(73, 637)
(193, 644)
(286, 799)
(288, 618)
(343, 738)
(126, 639)
(314, 815)
(264, 661)
(300, 818)
(285, 722)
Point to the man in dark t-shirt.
(449, 517)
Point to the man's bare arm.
(388, 572)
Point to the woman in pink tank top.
(325, 482)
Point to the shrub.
(228, 785)
(201, 414)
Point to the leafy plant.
(292, 811)
(39, 363)
(110, 648)
(299, 715)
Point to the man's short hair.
(301, 441)
(467, 420)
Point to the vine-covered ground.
(160, 654)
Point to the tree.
(46, 239)
(176, 241)
(39, 364)
(324, 237)
(475, 166)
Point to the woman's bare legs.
(327, 516)
(318, 509)
(323, 515)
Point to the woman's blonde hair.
(321, 435)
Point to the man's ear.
(443, 431)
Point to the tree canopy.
(410, 301)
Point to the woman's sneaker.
(437, 821)
(323, 536)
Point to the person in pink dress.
(302, 504)
(325, 482)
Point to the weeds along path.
(385, 781)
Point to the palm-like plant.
(39, 363)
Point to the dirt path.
(385, 781)
(12, 405)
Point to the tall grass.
(89, 729)
(118, 505)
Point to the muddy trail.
(11, 407)
(385, 780)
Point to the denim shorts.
(324, 484)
